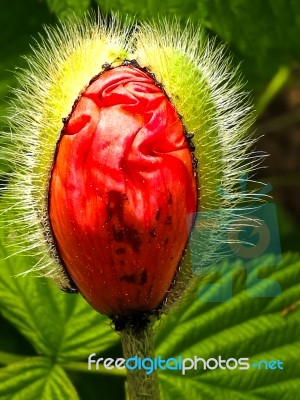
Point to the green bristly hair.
(195, 74)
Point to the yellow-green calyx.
(193, 74)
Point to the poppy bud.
(122, 190)
(107, 180)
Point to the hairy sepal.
(200, 83)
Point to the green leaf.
(250, 325)
(19, 20)
(60, 7)
(35, 378)
(151, 8)
(263, 34)
(58, 324)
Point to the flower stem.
(139, 342)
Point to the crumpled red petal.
(122, 193)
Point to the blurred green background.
(263, 38)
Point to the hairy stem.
(139, 342)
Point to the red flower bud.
(122, 192)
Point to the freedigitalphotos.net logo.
(247, 237)
(181, 364)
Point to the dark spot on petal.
(120, 250)
(166, 241)
(129, 278)
(169, 220)
(152, 233)
(170, 198)
(128, 235)
(143, 279)
(158, 214)
(121, 231)
(115, 205)
(132, 237)
(118, 234)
